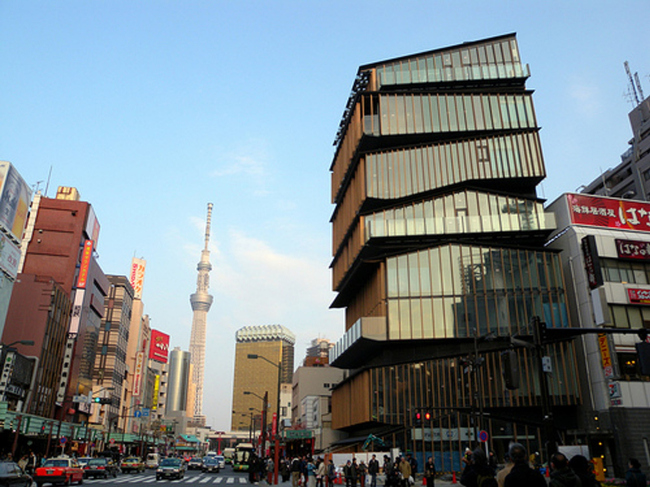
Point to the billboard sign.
(638, 296)
(156, 392)
(86, 254)
(592, 262)
(605, 356)
(137, 276)
(92, 226)
(159, 349)
(632, 249)
(609, 212)
(9, 256)
(137, 376)
(15, 197)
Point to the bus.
(229, 453)
(242, 454)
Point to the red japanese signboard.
(159, 349)
(609, 212)
(638, 296)
(633, 249)
(85, 264)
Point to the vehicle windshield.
(210, 461)
(170, 462)
(97, 461)
(131, 460)
(56, 463)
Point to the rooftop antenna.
(632, 85)
(48, 181)
(638, 86)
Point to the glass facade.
(438, 236)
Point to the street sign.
(112, 440)
(483, 436)
(145, 412)
(137, 414)
(63, 440)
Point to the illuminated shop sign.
(633, 249)
(609, 212)
(638, 296)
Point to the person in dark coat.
(561, 474)
(373, 470)
(634, 477)
(581, 467)
(430, 472)
(477, 467)
(521, 473)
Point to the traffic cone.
(453, 480)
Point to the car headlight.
(160, 470)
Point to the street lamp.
(254, 356)
(265, 401)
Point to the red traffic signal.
(427, 416)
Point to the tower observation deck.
(201, 302)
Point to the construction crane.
(635, 84)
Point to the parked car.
(171, 468)
(132, 464)
(210, 464)
(195, 463)
(59, 470)
(100, 467)
(11, 475)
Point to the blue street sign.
(145, 412)
(137, 414)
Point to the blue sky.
(152, 109)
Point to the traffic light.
(427, 416)
(643, 351)
(418, 418)
(43, 429)
(510, 369)
(102, 400)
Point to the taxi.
(59, 470)
(132, 464)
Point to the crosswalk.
(196, 479)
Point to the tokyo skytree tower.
(201, 302)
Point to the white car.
(221, 460)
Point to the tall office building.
(273, 345)
(201, 302)
(438, 252)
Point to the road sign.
(63, 440)
(483, 436)
(137, 414)
(145, 412)
(112, 440)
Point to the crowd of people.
(480, 471)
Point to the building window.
(623, 271)
(629, 316)
(326, 385)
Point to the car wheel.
(81, 481)
(68, 481)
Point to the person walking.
(331, 473)
(520, 472)
(561, 474)
(430, 472)
(347, 473)
(321, 472)
(311, 472)
(503, 473)
(363, 471)
(634, 477)
(373, 470)
(582, 468)
(295, 471)
(405, 471)
(354, 472)
(478, 473)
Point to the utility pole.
(539, 337)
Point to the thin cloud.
(587, 97)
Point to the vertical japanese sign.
(156, 392)
(86, 254)
(137, 276)
(592, 262)
(137, 376)
(605, 356)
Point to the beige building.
(273, 347)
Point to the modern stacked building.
(438, 238)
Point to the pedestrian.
(389, 472)
(295, 471)
(582, 468)
(478, 473)
(634, 477)
(32, 462)
(561, 474)
(354, 472)
(501, 474)
(347, 472)
(430, 472)
(373, 470)
(321, 472)
(520, 472)
(405, 471)
(363, 471)
(311, 472)
(331, 473)
(413, 462)
(284, 469)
